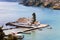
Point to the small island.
(27, 24)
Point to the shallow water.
(11, 11)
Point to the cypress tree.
(34, 18)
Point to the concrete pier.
(24, 30)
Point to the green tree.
(34, 18)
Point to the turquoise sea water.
(11, 11)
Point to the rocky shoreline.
(48, 4)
